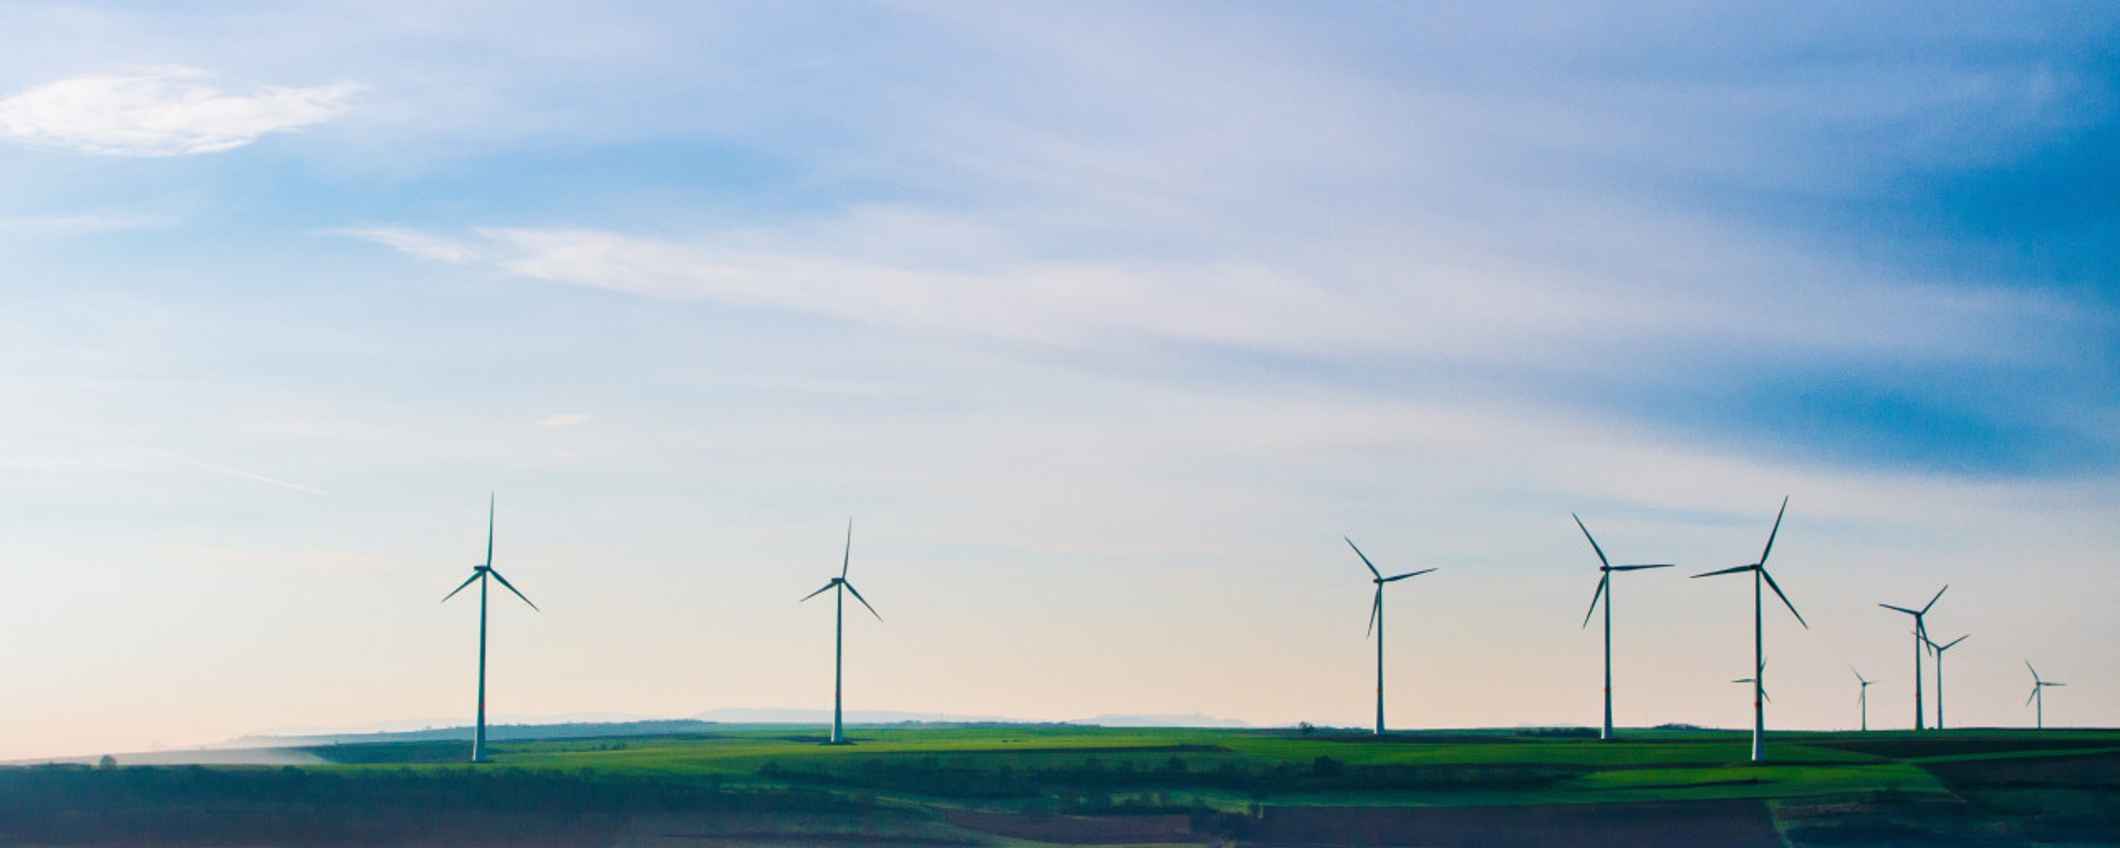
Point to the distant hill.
(1161, 720)
(494, 732)
(785, 715)
(705, 722)
(782, 715)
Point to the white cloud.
(163, 111)
(1436, 296)
(412, 243)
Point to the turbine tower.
(1863, 698)
(839, 616)
(1938, 651)
(479, 573)
(2039, 693)
(1376, 620)
(1604, 592)
(1759, 647)
(1921, 634)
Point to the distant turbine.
(1759, 647)
(1604, 591)
(839, 616)
(1863, 697)
(1755, 681)
(479, 573)
(1938, 651)
(1921, 634)
(1376, 620)
(2039, 692)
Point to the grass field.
(775, 785)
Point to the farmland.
(1033, 784)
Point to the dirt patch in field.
(1720, 823)
(2073, 771)
(1943, 745)
(1077, 830)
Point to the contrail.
(240, 473)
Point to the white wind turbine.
(1376, 620)
(1921, 635)
(839, 615)
(1604, 592)
(1938, 651)
(2039, 692)
(1755, 681)
(1759, 574)
(479, 573)
(1863, 697)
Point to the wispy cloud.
(412, 243)
(238, 473)
(1458, 301)
(163, 111)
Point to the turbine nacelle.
(841, 581)
(1376, 604)
(1921, 629)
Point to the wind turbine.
(1376, 620)
(1863, 697)
(2039, 692)
(1604, 591)
(1759, 647)
(839, 616)
(479, 573)
(1938, 651)
(1921, 634)
(1755, 681)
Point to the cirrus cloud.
(163, 111)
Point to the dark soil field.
(1736, 824)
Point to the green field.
(1060, 784)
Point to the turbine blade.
(864, 601)
(1594, 597)
(1932, 601)
(511, 587)
(489, 529)
(2052, 683)
(2035, 694)
(1640, 567)
(1763, 694)
(1376, 605)
(460, 587)
(1593, 540)
(1408, 574)
(2034, 671)
(1952, 643)
(827, 585)
(1731, 570)
(1899, 609)
(1784, 598)
(1775, 532)
(1365, 559)
(1858, 675)
(847, 558)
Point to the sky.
(1103, 322)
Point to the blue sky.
(1104, 322)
